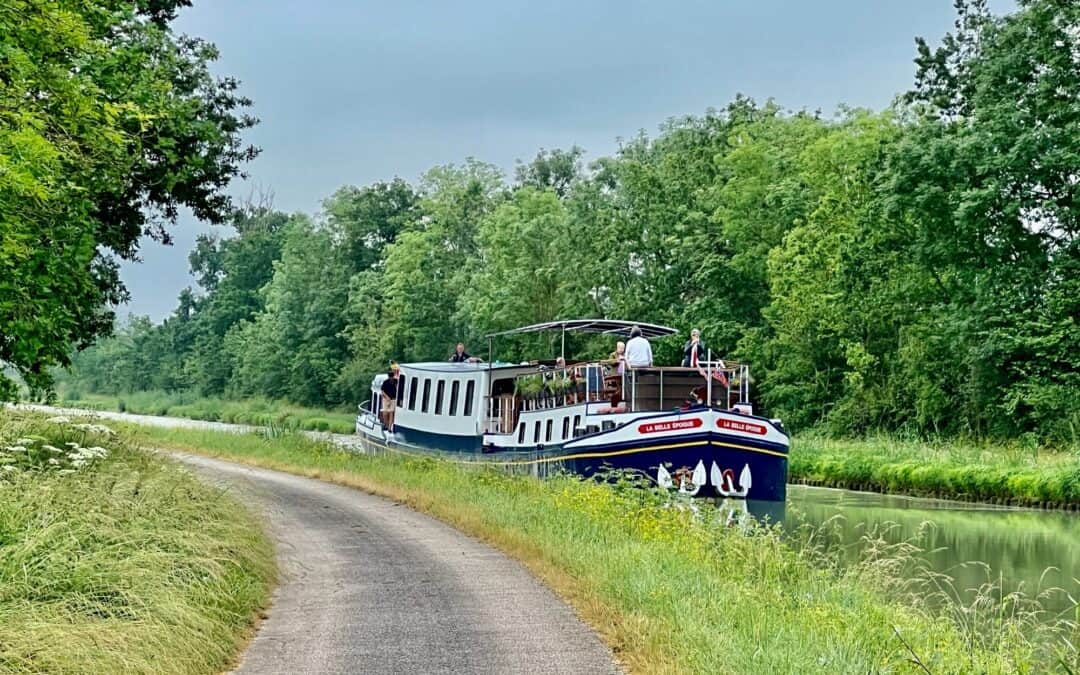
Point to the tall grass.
(253, 411)
(672, 587)
(113, 560)
(967, 471)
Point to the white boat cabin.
(536, 405)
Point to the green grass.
(675, 591)
(115, 560)
(253, 411)
(967, 471)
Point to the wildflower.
(59, 419)
(8, 467)
(72, 444)
(66, 472)
(24, 441)
(52, 449)
(15, 448)
(94, 428)
(54, 461)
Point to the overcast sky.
(351, 92)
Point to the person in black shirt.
(694, 350)
(389, 398)
(460, 355)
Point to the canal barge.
(689, 429)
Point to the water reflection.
(1018, 545)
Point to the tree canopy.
(914, 269)
(110, 124)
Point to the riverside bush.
(113, 560)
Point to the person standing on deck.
(389, 397)
(694, 350)
(638, 350)
(462, 356)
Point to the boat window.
(470, 392)
(401, 389)
(427, 395)
(577, 421)
(521, 434)
(547, 433)
(536, 432)
(375, 403)
(455, 389)
(440, 389)
(607, 424)
(565, 428)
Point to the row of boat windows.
(548, 430)
(451, 402)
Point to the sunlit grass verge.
(669, 589)
(991, 473)
(116, 561)
(252, 411)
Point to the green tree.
(986, 182)
(109, 124)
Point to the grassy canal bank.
(252, 411)
(113, 560)
(990, 472)
(963, 471)
(672, 588)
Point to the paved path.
(370, 586)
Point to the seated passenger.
(619, 357)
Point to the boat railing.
(502, 414)
(724, 384)
(714, 382)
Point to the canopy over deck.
(608, 326)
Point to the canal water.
(1020, 549)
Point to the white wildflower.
(15, 448)
(25, 441)
(66, 472)
(94, 428)
(54, 461)
(59, 419)
(8, 467)
(52, 449)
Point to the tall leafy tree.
(109, 124)
(987, 183)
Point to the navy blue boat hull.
(766, 464)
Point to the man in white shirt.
(638, 350)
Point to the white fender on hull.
(716, 476)
(663, 478)
(745, 480)
(700, 477)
